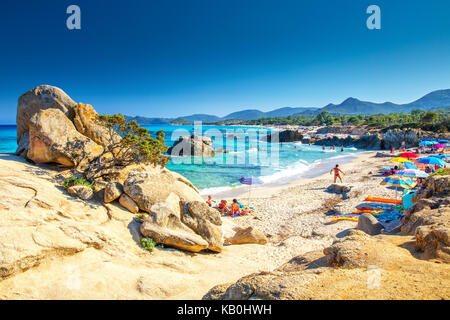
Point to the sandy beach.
(298, 209)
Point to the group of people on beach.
(232, 210)
(333, 148)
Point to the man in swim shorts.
(337, 172)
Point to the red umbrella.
(408, 155)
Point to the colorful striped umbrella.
(412, 173)
(250, 181)
(397, 181)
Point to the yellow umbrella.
(400, 159)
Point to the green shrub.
(74, 181)
(442, 172)
(148, 244)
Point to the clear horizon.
(171, 59)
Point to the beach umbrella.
(400, 159)
(412, 173)
(398, 181)
(410, 165)
(442, 141)
(439, 146)
(408, 155)
(250, 181)
(441, 156)
(426, 143)
(432, 160)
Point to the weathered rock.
(54, 139)
(113, 191)
(128, 203)
(285, 136)
(429, 218)
(40, 98)
(247, 235)
(351, 130)
(338, 188)
(86, 122)
(146, 188)
(369, 224)
(82, 192)
(367, 141)
(23, 144)
(192, 146)
(204, 221)
(164, 226)
(393, 138)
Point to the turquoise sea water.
(248, 156)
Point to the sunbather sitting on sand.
(336, 173)
(235, 208)
(223, 207)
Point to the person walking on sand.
(342, 148)
(337, 172)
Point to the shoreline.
(314, 170)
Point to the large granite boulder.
(54, 139)
(165, 226)
(247, 235)
(192, 146)
(128, 203)
(148, 187)
(369, 224)
(86, 122)
(82, 192)
(113, 191)
(204, 221)
(40, 98)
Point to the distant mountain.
(149, 121)
(353, 106)
(199, 117)
(350, 106)
(435, 99)
(240, 115)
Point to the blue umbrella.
(442, 141)
(442, 156)
(410, 165)
(426, 143)
(398, 181)
(432, 160)
(250, 181)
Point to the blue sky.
(173, 58)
